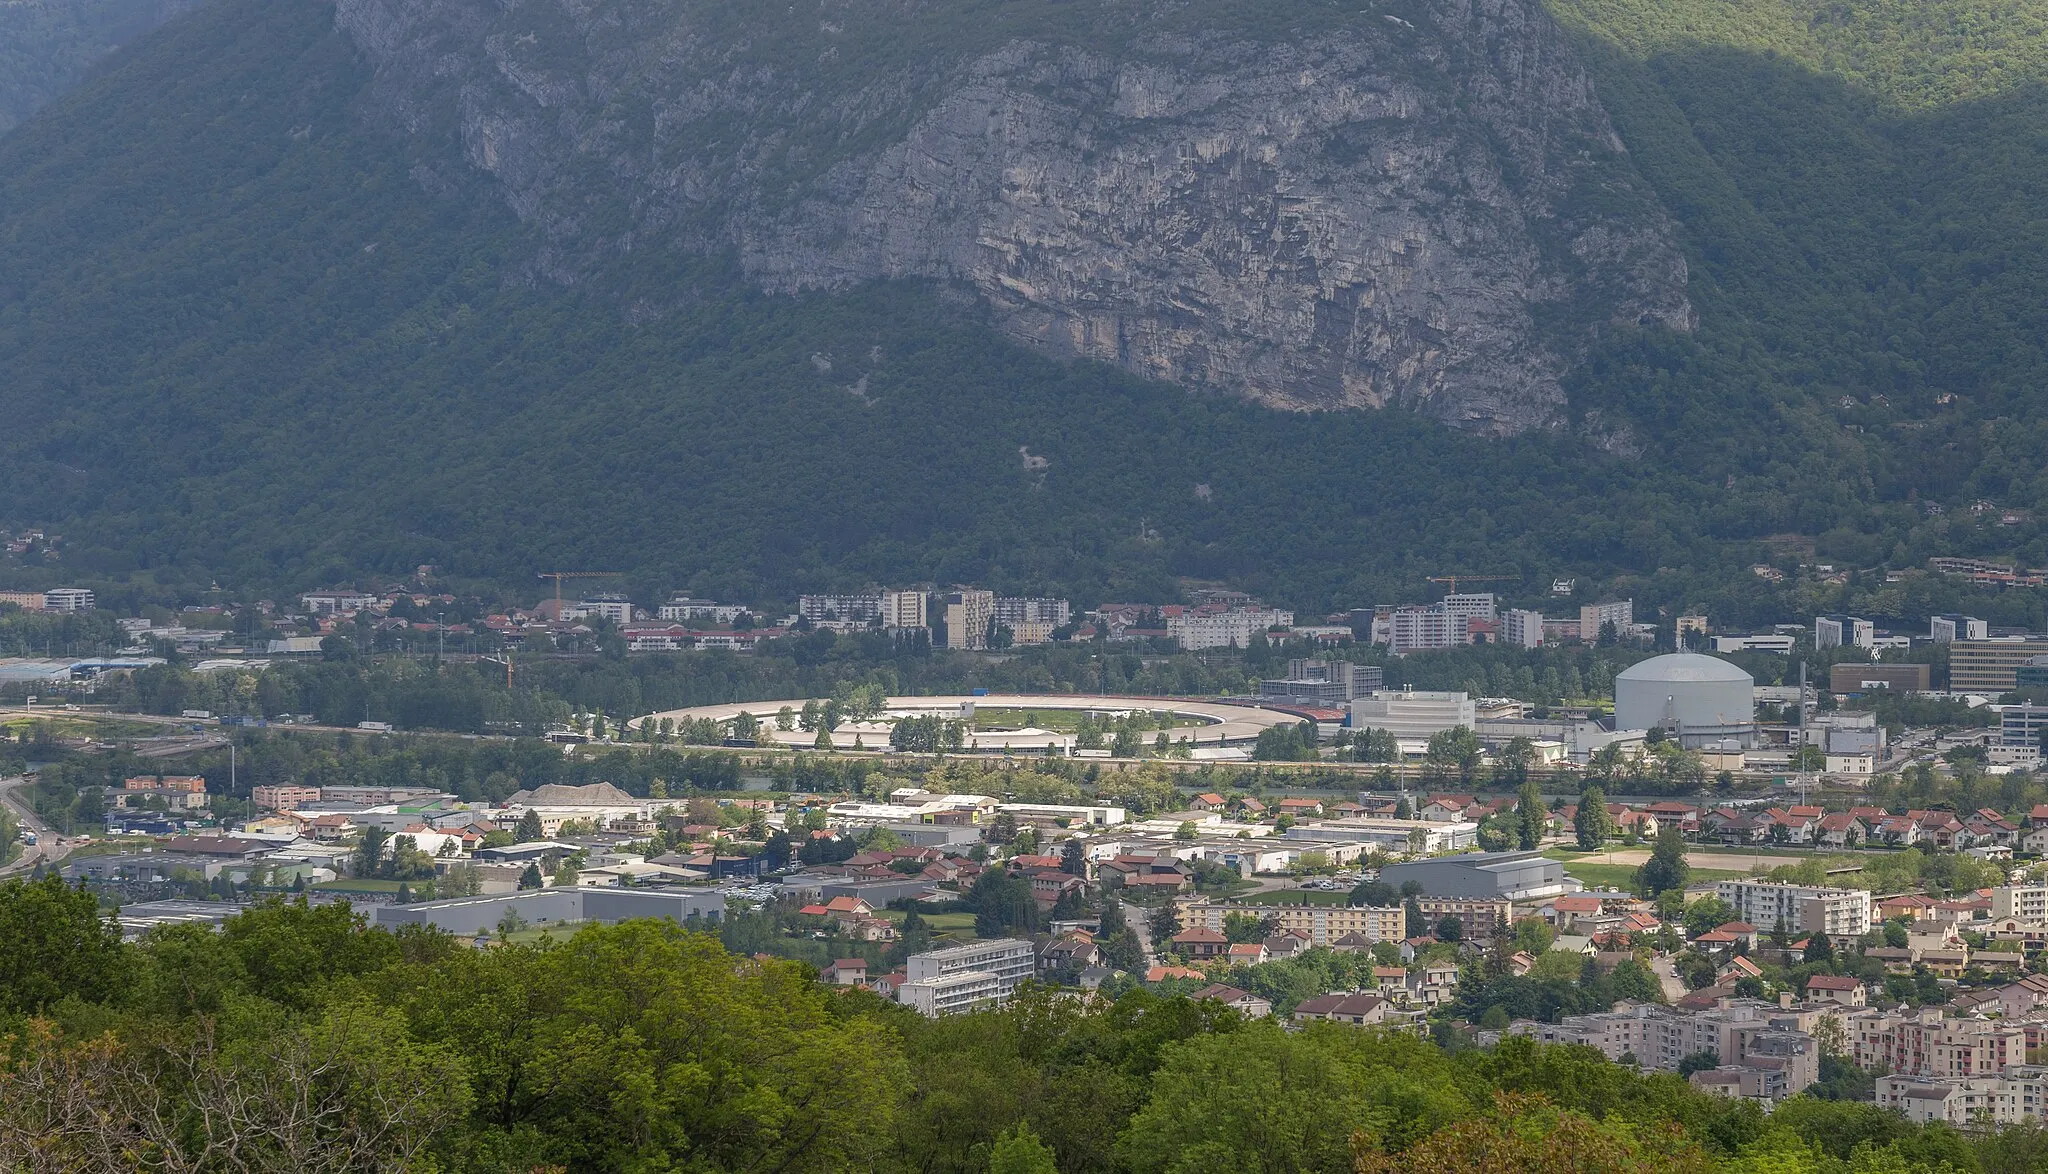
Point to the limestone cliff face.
(1422, 205)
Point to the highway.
(46, 850)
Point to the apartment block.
(1745, 1033)
(961, 978)
(284, 798)
(906, 609)
(2009, 1098)
(1593, 617)
(1523, 629)
(1230, 629)
(861, 608)
(1481, 918)
(1013, 611)
(1925, 1044)
(1324, 924)
(966, 614)
(2028, 903)
(1424, 629)
(1835, 912)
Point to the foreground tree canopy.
(298, 1040)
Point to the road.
(47, 850)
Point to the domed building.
(1703, 700)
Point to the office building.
(965, 615)
(1523, 629)
(1864, 678)
(2024, 725)
(67, 599)
(2031, 673)
(1947, 629)
(1597, 618)
(1800, 908)
(1413, 716)
(1843, 632)
(1990, 666)
(1327, 683)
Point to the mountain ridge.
(1369, 214)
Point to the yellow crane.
(558, 576)
(1452, 581)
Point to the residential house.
(1843, 830)
(845, 972)
(1827, 988)
(1358, 1009)
(1250, 1004)
(1198, 943)
(1163, 973)
(1246, 953)
(1207, 801)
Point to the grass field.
(364, 885)
(959, 926)
(1062, 721)
(1596, 873)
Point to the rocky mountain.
(1420, 205)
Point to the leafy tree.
(1019, 1151)
(1532, 817)
(1591, 823)
(528, 829)
(530, 879)
(1165, 923)
(1450, 929)
(1666, 867)
(57, 944)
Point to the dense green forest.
(48, 46)
(244, 344)
(294, 1039)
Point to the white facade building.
(1230, 629)
(961, 978)
(1412, 717)
(1835, 912)
(1523, 629)
(1843, 632)
(1595, 616)
(68, 599)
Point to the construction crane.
(558, 576)
(1452, 581)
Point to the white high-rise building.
(1843, 632)
(1947, 629)
(1804, 908)
(905, 609)
(1523, 629)
(1423, 629)
(961, 978)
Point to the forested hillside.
(249, 335)
(47, 46)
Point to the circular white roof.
(1684, 666)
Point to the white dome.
(1684, 666)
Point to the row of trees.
(296, 1039)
